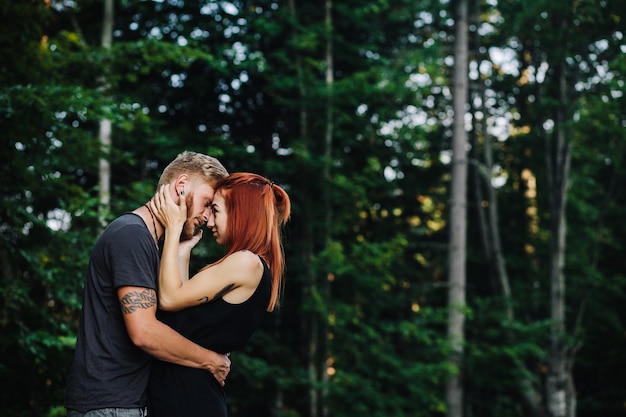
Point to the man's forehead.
(204, 189)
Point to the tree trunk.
(308, 237)
(104, 132)
(328, 146)
(560, 391)
(458, 213)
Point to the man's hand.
(220, 368)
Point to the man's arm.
(161, 341)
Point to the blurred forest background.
(355, 108)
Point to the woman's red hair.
(257, 209)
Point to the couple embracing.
(154, 341)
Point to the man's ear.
(179, 184)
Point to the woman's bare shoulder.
(244, 260)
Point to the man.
(118, 332)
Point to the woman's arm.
(174, 263)
(238, 274)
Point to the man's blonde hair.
(196, 165)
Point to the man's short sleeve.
(135, 258)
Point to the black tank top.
(218, 326)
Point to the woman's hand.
(185, 246)
(169, 214)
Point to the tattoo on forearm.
(135, 300)
(219, 294)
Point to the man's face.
(199, 199)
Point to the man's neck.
(152, 223)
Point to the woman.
(222, 305)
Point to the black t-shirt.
(108, 369)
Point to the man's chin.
(188, 232)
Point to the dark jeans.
(110, 412)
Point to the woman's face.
(218, 219)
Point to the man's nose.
(206, 214)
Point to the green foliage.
(363, 318)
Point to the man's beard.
(188, 228)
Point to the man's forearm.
(161, 341)
(168, 345)
(165, 344)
